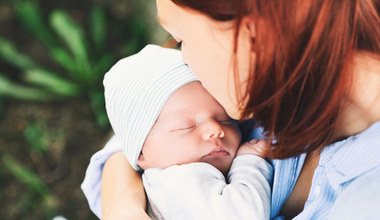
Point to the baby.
(185, 142)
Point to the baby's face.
(192, 127)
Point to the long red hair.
(301, 75)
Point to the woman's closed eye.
(178, 44)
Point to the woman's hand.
(122, 192)
(255, 146)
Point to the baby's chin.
(222, 164)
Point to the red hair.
(302, 75)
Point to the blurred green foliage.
(35, 185)
(78, 51)
(78, 56)
(38, 137)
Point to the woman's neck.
(363, 107)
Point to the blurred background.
(53, 55)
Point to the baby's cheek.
(236, 139)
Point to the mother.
(309, 73)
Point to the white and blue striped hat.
(136, 89)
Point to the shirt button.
(317, 190)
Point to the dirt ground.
(62, 168)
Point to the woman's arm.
(122, 190)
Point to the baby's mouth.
(218, 152)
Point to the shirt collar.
(352, 157)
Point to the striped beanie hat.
(136, 89)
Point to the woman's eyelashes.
(179, 45)
(179, 42)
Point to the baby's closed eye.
(225, 119)
(183, 128)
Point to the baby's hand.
(255, 146)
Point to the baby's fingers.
(261, 146)
(255, 147)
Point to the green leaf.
(25, 175)
(51, 81)
(64, 59)
(102, 66)
(10, 54)
(98, 106)
(31, 18)
(98, 27)
(1, 110)
(10, 89)
(71, 34)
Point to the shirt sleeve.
(200, 191)
(91, 184)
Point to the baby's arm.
(250, 177)
(200, 191)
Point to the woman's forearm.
(122, 192)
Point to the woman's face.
(207, 47)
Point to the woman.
(309, 73)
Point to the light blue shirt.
(345, 185)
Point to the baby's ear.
(141, 161)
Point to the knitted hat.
(136, 89)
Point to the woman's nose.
(212, 130)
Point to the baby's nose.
(212, 130)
